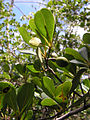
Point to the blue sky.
(26, 7)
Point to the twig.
(19, 9)
(29, 2)
(69, 113)
(77, 93)
(59, 113)
(82, 92)
(51, 70)
(74, 112)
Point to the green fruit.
(61, 61)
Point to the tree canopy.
(44, 64)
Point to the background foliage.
(45, 69)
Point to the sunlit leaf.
(84, 53)
(49, 85)
(86, 38)
(48, 102)
(44, 22)
(25, 35)
(32, 69)
(27, 52)
(74, 53)
(63, 89)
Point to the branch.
(51, 70)
(82, 92)
(30, 2)
(54, 74)
(19, 9)
(73, 105)
(74, 112)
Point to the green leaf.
(77, 62)
(37, 81)
(49, 85)
(29, 115)
(25, 35)
(62, 61)
(62, 70)
(32, 69)
(74, 53)
(34, 28)
(20, 68)
(32, 25)
(39, 53)
(25, 95)
(76, 79)
(9, 93)
(84, 53)
(63, 89)
(27, 52)
(48, 102)
(86, 82)
(10, 99)
(44, 22)
(1, 100)
(38, 65)
(86, 38)
(6, 67)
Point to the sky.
(26, 7)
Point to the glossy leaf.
(38, 65)
(20, 68)
(48, 102)
(86, 38)
(25, 95)
(32, 69)
(10, 99)
(1, 100)
(76, 62)
(9, 93)
(32, 25)
(84, 53)
(76, 79)
(25, 35)
(86, 82)
(74, 53)
(34, 29)
(39, 53)
(63, 89)
(49, 85)
(37, 81)
(27, 52)
(44, 22)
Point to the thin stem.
(30, 2)
(82, 92)
(51, 70)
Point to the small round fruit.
(62, 61)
